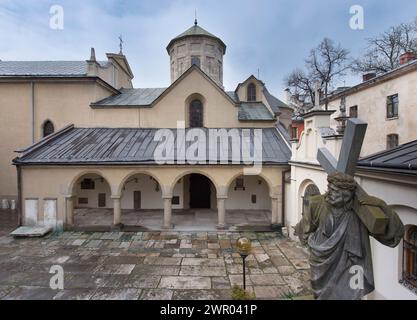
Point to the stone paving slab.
(185, 282)
(151, 265)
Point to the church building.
(94, 152)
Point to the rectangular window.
(88, 184)
(82, 200)
(176, 200)
(294, 133)
(409, 277)
(392, 106)
(392, 141)
(353, 112)
(240, 184)
(253, 199)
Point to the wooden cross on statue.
(373, 217)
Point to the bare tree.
(301, 85)
(325, 64)
(384, 51)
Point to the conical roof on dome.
(196, 31)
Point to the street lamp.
(244, 246)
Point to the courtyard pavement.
(152, 265)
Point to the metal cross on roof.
(348, 159)
(121, 44)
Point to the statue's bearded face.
(338, 197)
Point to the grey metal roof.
(44, 68)
(131, 97)
(401, 159)
(284, 132)
(196, 31)
(101, 146)
(257, 111)
(274, 102)
(233, 95)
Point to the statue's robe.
(337, 243)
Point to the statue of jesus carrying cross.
(337, 225)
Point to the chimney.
(93, 55)
(407, 57)
(92, 64)
(368, 76)
(287, 95)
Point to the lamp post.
(244, 246)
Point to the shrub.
(239, 294)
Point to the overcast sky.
(272, 35)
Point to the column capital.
(222, 197)
(167, 196)
(69, 196)
(116, 197)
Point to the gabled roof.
(148, 97)
(273, 101)
(255, 111)
(196, 31)
(402, 159)
(45, 68)
(126, 146)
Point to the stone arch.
(264, 177)
(256, 193)
(301, 193)
(195, 171)
(138, 172)
(72, 184)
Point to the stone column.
(221, 209)
(276, 206)
(167, 212)
(117, 210)
(69, 213)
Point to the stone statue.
(336, 228)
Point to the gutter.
(32, 107)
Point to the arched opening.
(251, 92)
(248, 202)
(196, 114)
(310, 191)
(410, 257)
(93, 206)
(141, 201)
(194, 203)
(47, 128)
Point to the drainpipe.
(32, 105)
(19, 195)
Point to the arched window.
(251, 92)
(410, 257)
(196, 113)
(48, 128)
(310, 191)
